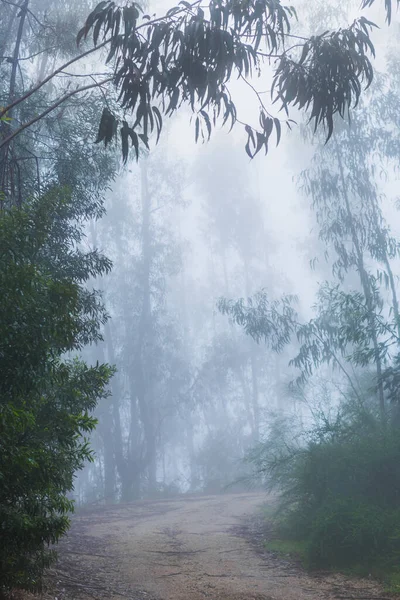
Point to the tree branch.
(51, 108)
(5, 109)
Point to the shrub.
(45, 400)
(340, 490)
(347, 533)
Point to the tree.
(45, 398)
(141, 426)
(235, 229)
(338, 478)
(348, 207)
(53, 151)
(187, 57)
(355, 325)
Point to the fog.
(200, 315)
(186, 225)
(192, 228)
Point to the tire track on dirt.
(189, 548)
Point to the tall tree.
(145, 337)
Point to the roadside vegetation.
(339, 489)
(70, 69)
(334, 456)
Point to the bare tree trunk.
(189, 428)
(386, 261)
(225, 272)
(253, 362)
(43, 66)
(247, 400)
(13, 78)
(8, 32)
(105, 426)
(144, 390)
(121, 461)
(5, 150)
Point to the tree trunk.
(121, 461)
(386, 261)
(247, 400)
(144, 391)
(9, 30)
(364, 278)
(105, 426)
(253, 361)
(10, 185)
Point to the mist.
(185, 226)
(201, 322)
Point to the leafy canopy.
(188, 57)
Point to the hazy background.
(219, 225)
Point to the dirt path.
(186, 549)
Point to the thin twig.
(37, 87)
(51, 108)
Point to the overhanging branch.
(48, 110)
(37, 87)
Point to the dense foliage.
(340, 487)
(45, 398)
(189, 55)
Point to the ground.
(190, 548)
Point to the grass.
(392, 582)
(293, 548)
(390, 577)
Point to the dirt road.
(195, 548)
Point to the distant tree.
(232, 209)
(141, 423)
(344, 190)
(354, 324)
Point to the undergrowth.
(339, 506)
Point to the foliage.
(147, 417)
(272, 321)
(54, 151)
(286, 548)
(189, 55)
(353, 326)
(45, 399)
(339, 481)
(339, 486)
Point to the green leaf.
(157, 114)
(278, 130)
(124, 131)
(208, 122)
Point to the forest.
(200, 261)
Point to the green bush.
(348, 533)
(340, 490)
(45, 400)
